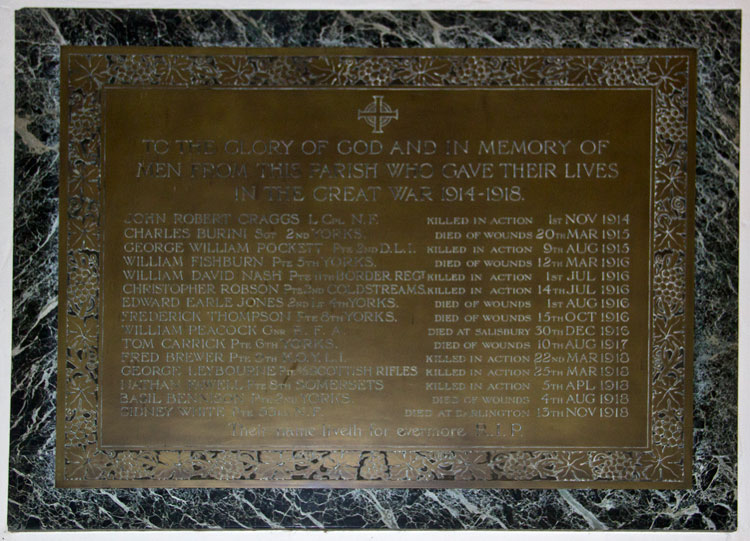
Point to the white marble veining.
(34, 503)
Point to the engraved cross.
(377, 114)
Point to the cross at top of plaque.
(377, 114)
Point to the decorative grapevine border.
(85, 71)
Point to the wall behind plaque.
(34, 503)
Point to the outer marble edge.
(34, 503)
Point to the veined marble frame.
(670, 74)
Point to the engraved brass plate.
(454, 268)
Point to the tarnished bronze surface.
(376, 268)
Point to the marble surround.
(34, 503)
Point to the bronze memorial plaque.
(352, 268)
